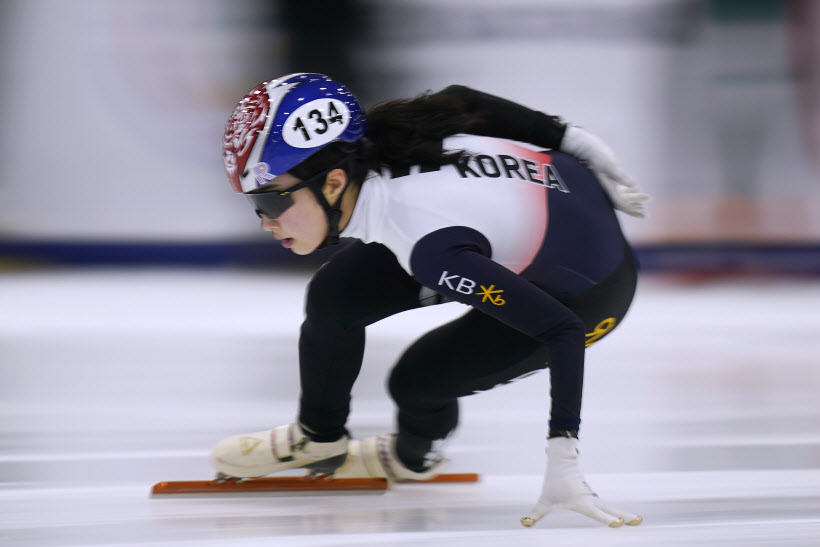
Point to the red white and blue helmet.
(282, 122)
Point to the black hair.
(406, 132)
(400, 133)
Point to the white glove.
(601, 159)
(565, 488)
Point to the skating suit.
(523, 234)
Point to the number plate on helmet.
(316, 123)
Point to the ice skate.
(369, 466)
(375, 457)
(275, 450)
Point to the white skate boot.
(375, 457)
(285, 447)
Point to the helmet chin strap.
(333, 212)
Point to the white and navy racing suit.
(524, 235)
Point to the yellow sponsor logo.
(487, 294)
(600, 330)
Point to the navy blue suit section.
(456, 261)
(584, 242)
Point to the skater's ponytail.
(402, 133)
(406, 132)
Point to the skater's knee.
(415, 386)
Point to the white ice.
(701, 413)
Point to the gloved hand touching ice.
(565, 488)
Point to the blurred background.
(144, 315)
(113, 112)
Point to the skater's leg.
(471, 354)
(476, 352)
(360, 285)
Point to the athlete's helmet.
(282, 122)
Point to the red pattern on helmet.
(241, 131)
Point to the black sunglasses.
(272, 203)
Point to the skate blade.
(448, 477)
(289, 486)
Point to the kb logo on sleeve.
(467, 286)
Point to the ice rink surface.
(701, 413)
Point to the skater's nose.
(269, 224)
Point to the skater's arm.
(497, 117)
(505, 119)
(456, 262)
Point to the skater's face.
(302, 227)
